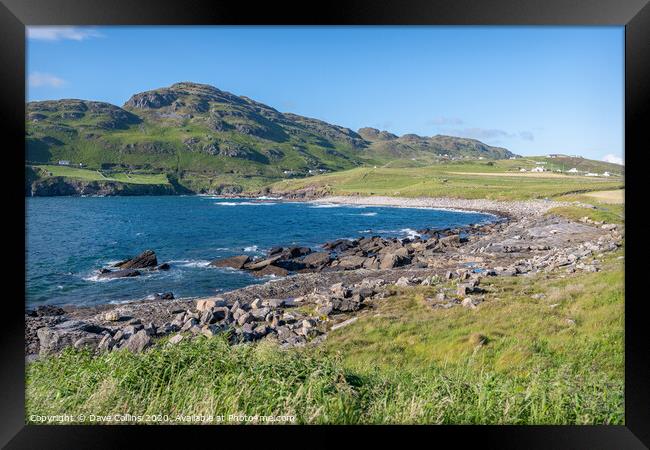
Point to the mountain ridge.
(193, 128)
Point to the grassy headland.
(495, 180)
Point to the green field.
(496, 180)
(555, 360)
(96, 175)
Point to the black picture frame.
(633, 14)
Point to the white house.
(606, 174)
(573, 170)
(64, 162)
(591, 174)
(522, 170)
(537, 169)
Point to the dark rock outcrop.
(144, 260)
(234, 262)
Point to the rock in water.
(235, 262)
(142, 261)
(120, 274)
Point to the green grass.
(400, 363)
(95, 175)
(457, 180)
(605, 212)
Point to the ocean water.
(69, 238)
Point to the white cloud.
(612, 158)
(39, 79)
(483, 134)
(61, 33)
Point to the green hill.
(210, 139)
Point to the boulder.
(296, 252)
(316, 259)
(245, 318)
(66, 334)
(90, 341)
(138, 342)
(271, 271)
(206, 304)
(234, 262)
(260, 313)
(144, 260)
(371, 263)
(112, 316)
(106, 343)
(450, 241)
(257, 265)
(163, 266)
(346, 304)
(175, 339)
(403, 282)
(340, 245)
(391, 260)
(46, 310)
(340, 291)
(351, 262)
(289, 265)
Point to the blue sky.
(533, 90)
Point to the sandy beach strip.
(510, 207)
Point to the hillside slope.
(209, 138)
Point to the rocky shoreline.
(321, 290)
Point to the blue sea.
(69, 238)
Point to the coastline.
(503, 208)
(499, 248)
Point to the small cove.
(69, 238)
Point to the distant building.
(573, 170)
(556, 155)
(522, 170)
(537, 169)
(64, 162)
(606, 174)
(591, 174)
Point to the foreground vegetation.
(516, 359)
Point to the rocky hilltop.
(199, 131)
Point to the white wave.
(327, 205)
(97, 279)
(409, 232)
(243, 203)
(252, 248)
(368, 214)
(190, 262)
(268, 198)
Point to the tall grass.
(209, 377)
(401, 363)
